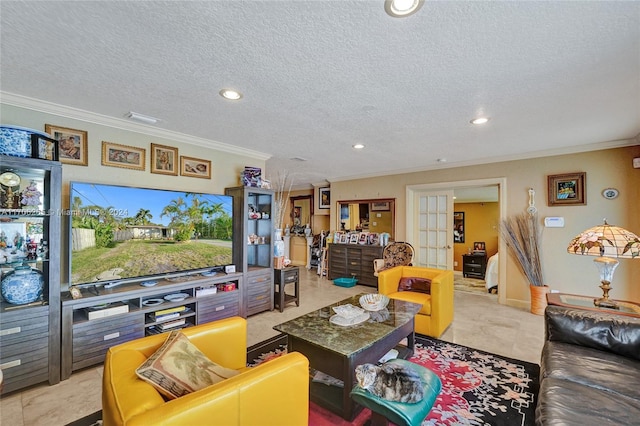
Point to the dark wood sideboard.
(348, 260)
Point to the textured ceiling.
(320, 76)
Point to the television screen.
(122, 233)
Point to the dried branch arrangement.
(282, 187)
(522, 235)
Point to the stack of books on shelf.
(171, 324)
(167, 314)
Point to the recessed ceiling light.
(480, 120)
(232, 95)
(141, 117)
(402, 8)
(358, 146)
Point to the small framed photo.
(479, 247)
(164, 159)
(325, 198)
(380, 207)
(127, 157)
(364, 239)
(44, 148)
(374, 239)
(568, 189)
(344, 238)
(195, 167)
(353, 239)
(72, 144)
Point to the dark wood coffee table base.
(342, 367)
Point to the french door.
(434, 229)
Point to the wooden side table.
(282, 277)
(627, 308)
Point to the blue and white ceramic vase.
(22, 285)
(278, 244)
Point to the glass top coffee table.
(336, 350)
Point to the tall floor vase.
(538, 298)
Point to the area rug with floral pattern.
(478, 388)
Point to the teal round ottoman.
(400, 413)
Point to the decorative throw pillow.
(178, 368)
(417, 284)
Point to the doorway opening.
(468, 195)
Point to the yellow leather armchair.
(273, 393)
(437, 308)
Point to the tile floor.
(479, 322)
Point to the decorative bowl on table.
(348, 311)
(374, 301)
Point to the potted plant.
(522, 235)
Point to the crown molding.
(123, 124)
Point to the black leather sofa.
(590, 369)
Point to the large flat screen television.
(120, 233)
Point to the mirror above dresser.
(375, 215)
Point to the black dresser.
(474, 265)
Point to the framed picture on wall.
(568, 189)
(380, 207)
(72, 144)
(458, 227)
(324, 195)
(128, 157)
(164, 160)
(195, 167)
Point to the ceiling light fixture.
(141, 117)
(402, 8)
(358, 146)
(480, 120)
(232, 95)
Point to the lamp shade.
(606, 240)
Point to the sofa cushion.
(591, 367)
(419, 284)
(178, 367)
(420, 298)
(563, 402)
(596, 329)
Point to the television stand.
(127, 311)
